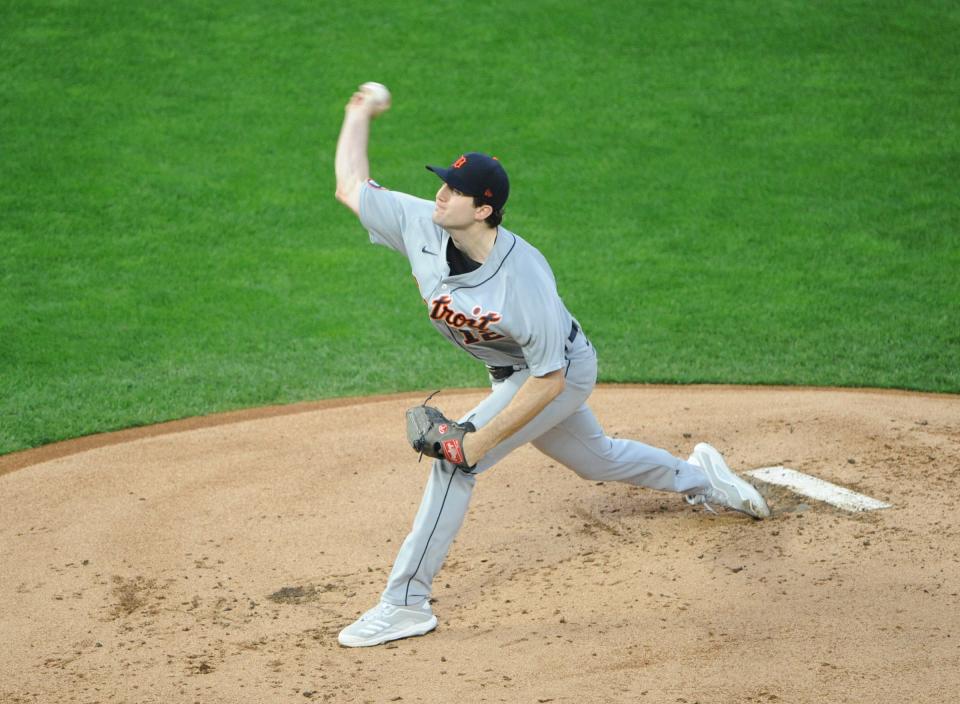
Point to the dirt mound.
(215, 561)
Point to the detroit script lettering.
(473, 329)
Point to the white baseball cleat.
(386, 622)
(726, 488)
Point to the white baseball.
(379, 95)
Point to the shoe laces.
(381, 609)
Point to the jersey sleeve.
(541, 327)
(388, 215)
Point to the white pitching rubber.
(818, 489)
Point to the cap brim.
(449, 177)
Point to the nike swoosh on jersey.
(427, 251)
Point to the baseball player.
(492, 295)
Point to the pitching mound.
(217, 564)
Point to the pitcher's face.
(455, 211)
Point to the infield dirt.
(215, 560)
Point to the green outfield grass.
(735, 192)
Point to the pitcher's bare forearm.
(351, 164)
(536, 394)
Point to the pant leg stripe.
(406, 593)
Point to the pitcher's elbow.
(561, 384)
(349, 197)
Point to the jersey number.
(470, 337)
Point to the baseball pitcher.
(492, 295)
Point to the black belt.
(501, 373)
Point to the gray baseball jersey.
(507, 312)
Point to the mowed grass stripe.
(732, 194)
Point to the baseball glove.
(433, 434)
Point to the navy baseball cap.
(478, 175)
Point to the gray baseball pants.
(565, 430)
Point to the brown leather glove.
(433, 434)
